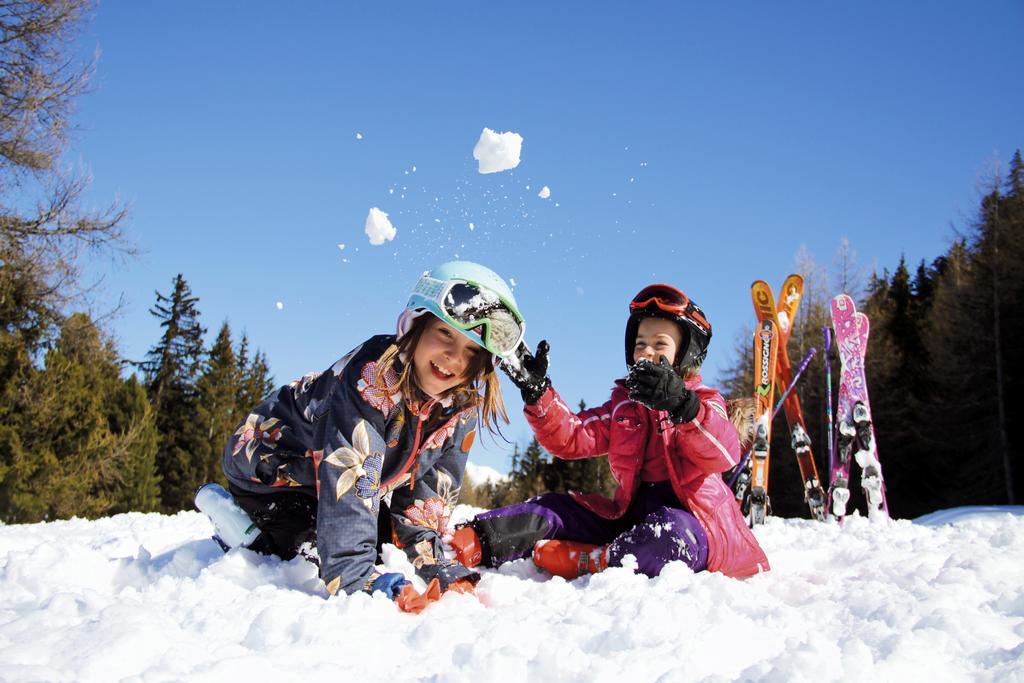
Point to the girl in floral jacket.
(668, 439)
(374, 448)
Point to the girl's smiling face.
(442, 357)
(657, 337)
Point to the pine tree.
(898, 369)
(173, 365)
(999, 256)
(974, 344)
(258, 381)
(218, 387)
(89, 444)
(1012, 223)
(1015, 179)
(131, 418)
(171, 372)
(947, 424)
(64, 425)
(28, 319)
(255, 380)
(527, 478)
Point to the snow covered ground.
(151, 598)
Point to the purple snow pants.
(655, 529)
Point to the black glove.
(658, 387)
(529, 372)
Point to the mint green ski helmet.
(472, 299)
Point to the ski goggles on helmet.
(670, 300)
(476, 311)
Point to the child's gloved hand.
(389, 584)
(658, 387)
(529, 372)
(410, 600)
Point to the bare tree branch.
(44, 229)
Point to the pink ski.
(855, 434)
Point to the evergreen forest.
(943, 367)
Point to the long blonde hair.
(482, 389)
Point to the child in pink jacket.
(668, 438)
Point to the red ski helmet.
(665, 301)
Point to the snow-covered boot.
(569, 559)
(466, 545)
(234, 528)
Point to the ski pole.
(792, 383)
(827, 331)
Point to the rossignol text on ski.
(766, 340)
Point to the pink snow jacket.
(696, 453)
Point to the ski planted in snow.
(855, 433)
(784, 315)
(766, 345)
(741, 473)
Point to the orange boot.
(467, 548)
(569, 559)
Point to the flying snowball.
(378, 227)
(280, 305)
(497, 152)
(545, 192)
(359, 136)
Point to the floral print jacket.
(340, 437)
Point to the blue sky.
(686, 143)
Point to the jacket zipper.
(412, 457)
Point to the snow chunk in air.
(379, 228)
(497, 152)
(545, 192)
